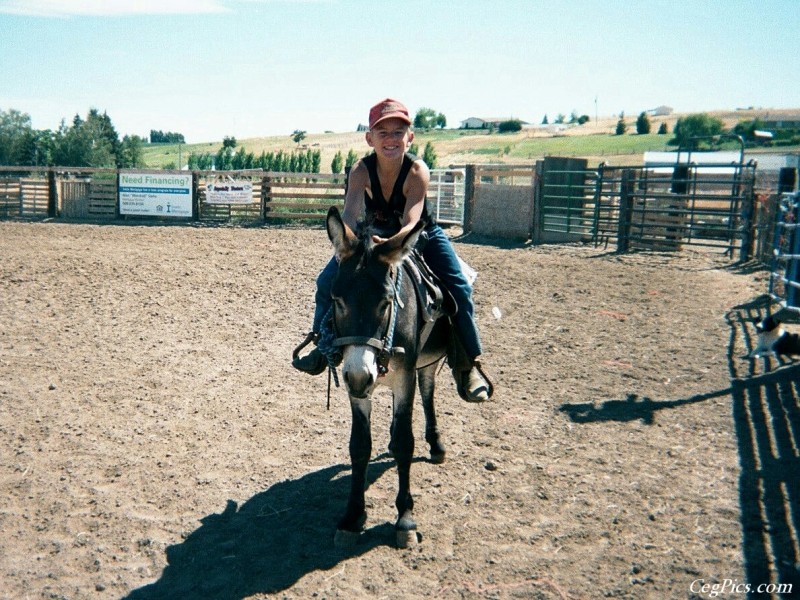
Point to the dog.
(774, 340)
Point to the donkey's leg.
(427, 381)
(402, 448)
(360, 451)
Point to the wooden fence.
(25, 197)
(301, 196)
(551, 202)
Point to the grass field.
(593, 141)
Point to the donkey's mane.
(364, 233)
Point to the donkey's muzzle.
(359, 370)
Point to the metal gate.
(565, 207)
(784, 282)
(666, 207)
(446, 195)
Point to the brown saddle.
(434, 298)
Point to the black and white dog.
(773, 339)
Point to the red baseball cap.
(388, 109)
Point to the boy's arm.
(354, 199)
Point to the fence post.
(536, 216)
(52, 194)
(625, 210)
(266, 193)
(117, 212)
(469, 197)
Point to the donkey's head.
(363, 299)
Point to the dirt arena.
(156, 443)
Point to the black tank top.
(388, 214)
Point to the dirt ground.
(156, 442)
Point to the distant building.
(781, 121)
(660, 111)
(486, 123)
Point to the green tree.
(223, 160)
(337, 163)
(663, 129)
(698, 125)
(200, 162)
(14, 126)
(238, 159)
(298, 136)
(131, 152)
(352, 158)
(229, 142)
(101, 130)
(34, 147)
(545, 121)
(429, 156)
(643, 124)
(89, 143)
(425, 118)
(622, 127)
(441, 121)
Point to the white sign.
(155, 194)
(233, 191)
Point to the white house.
(660, 111)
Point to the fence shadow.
(766, 414)
(269, 543)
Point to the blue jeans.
(441, 258)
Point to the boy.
(391, 186)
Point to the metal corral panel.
(446, 196)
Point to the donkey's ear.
(340, 235)
(397, 255)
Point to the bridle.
(384, 345)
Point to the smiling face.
(390, 138)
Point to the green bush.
(510, 126)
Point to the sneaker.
(312, 363)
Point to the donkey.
(385, 340)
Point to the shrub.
(509, 126)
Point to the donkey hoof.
(438, 457)
(407, 538)
(346, 539)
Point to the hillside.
(594, 141)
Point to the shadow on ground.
(765, 397)
(766, 413)
(268, 543)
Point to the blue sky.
(249, 68)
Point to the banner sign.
(233, 191)
(155, 194)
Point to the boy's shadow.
(269, 543)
